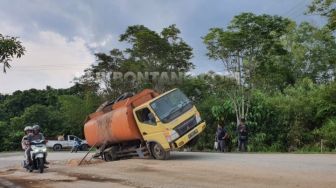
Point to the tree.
(47, 117)
(10, 47)
(206, 91)
(100, 76)
(325, 8)
(57, 111)
(75, 110)
(328, 133)
(312, 53)
(164, 51)
(243, 47)
(149, 51)
(15, 104)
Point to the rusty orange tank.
(115, 123)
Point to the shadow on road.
(185, 156)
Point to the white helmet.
(28, 128)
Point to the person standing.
(221, 135)
(242, 135)
(77, 145)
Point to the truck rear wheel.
(107, 156)
(158, 152)
(111, 155)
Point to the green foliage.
(328, 133)
(10, 47)
(277, 122)
(15, 104)
(312, 53)
(58, 112)
(246, 48)
(287, 83)
(74, 112)
(46, 116)
(325, 8)
(218, 111)
(250, 38)
(149, 51)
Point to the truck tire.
(107, 156)
(57, 147)
(111, 155)
(158, 152)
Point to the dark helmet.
(36, 127)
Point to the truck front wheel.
(158, 152)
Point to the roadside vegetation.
(279, 75)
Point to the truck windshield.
(172, 105)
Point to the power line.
(295, 8)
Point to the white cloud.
(9, 29)
(107, 42)
(50, 59)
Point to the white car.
(67, 142)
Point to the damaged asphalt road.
(184, 169)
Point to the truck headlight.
(173, 135)
(198, 118)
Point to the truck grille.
(185, 126)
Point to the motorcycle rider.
(25, 144)
(37, 135)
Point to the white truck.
(66, 143)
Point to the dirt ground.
(184, 169)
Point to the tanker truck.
(146, 124)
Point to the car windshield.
(170, 106)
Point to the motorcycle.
(38, 154)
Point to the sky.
(61, 36)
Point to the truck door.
(71, 141)
(150, 128)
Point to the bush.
(328, 133)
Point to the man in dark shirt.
(221, 135)
(242, 135)
(37, 135)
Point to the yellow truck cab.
(168, 122)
